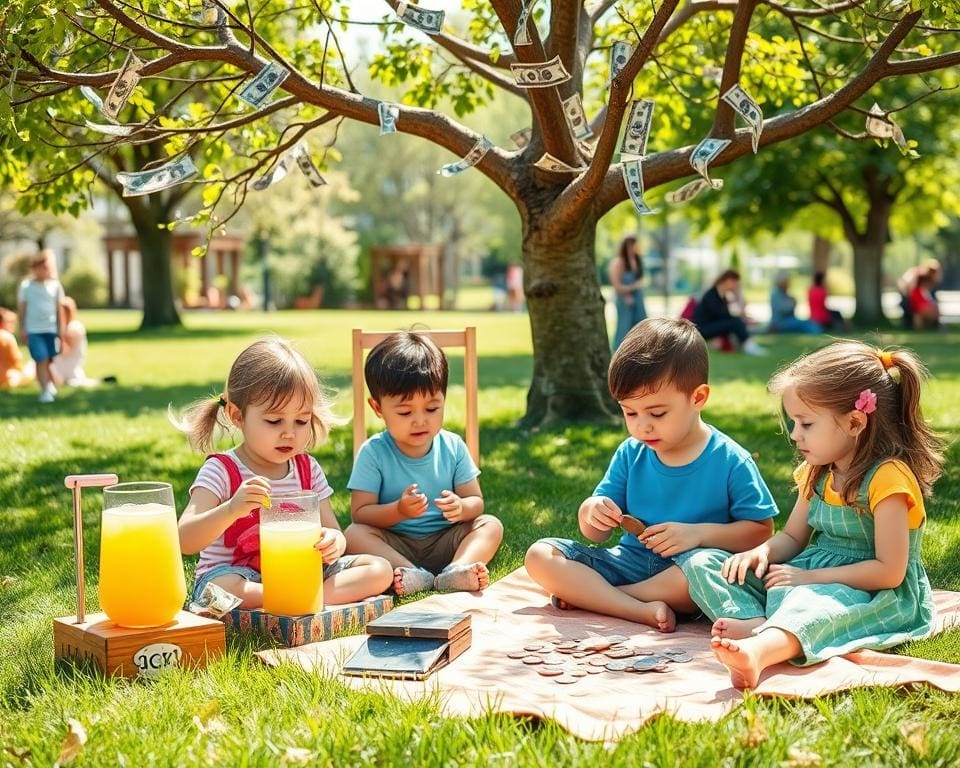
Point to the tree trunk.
(868, 279)
(571, 350)
(156, 266)
(820, 254)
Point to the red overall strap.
(304, 471)
(237, 527)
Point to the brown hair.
(624, 247)
(727, 274)
(270, 372)
(658, 351)
(406, 363)
(833, 378)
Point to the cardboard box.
(311, 628)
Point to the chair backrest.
(467, 338)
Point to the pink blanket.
(609, 705)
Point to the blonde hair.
(269, 372)
(833, 378)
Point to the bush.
(86, 284)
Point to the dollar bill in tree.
(258, 89)
(744, 105)
(421, 18)
(522, 137)
(634, 142)
(540, 75)
(620, 53)
(208, 14)
(691, 189)
(474, 156)
(92, 96)
(277, 173)
(705, 153)
(388, 117)
(163, 177)
(111, 129)
(549, 163)
(576, 118)
(307, 168)
(522, 35)
(633, 178)
(122, 87)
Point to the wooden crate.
(189, 641)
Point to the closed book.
(408, 658)
(427, 625)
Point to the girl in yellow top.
(868, 460)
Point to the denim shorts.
(251, 574)
(617, 565)
(43, 346)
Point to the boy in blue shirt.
(691, 485)
(415, 497)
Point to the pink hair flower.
(867, 402)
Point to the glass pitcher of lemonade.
(141, 570)
(291, 569)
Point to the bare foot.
(462, 578)
(744, 668)
(735, 629)
(406, 581)
(660, 616)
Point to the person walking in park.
(713, 317)
(416, 499)
(828, 319)
(274, 399)
(41, 318)
(869, 458)
(783, 309)
(626, 276)
(690, 484)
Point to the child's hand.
(735, 567)
(669, 539)
(781, 575)
(249, 496)
(450, 505)
(331, 545)
(412, 503)
(603, 514)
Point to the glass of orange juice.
(291, 569)
(141, 570)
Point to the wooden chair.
(467, 338)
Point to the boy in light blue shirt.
(676, 482)
(415, 496)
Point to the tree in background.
(684, 55)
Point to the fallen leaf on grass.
(72, 744)
(800, 758)
(206, 718)
(915, 734)
(296, 756)
(7, 581)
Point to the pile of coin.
(567, 660)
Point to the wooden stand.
(187, 641)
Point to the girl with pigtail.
(868, 461)
(274, 399)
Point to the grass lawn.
(532, 481)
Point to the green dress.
(828, 619)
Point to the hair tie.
(886, 360)
(867, 402)
(221, 402)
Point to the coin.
(516, 654)
(594, 644)
(617, 666)
(598, 661)
(617, 638)
(577, 672)
(566, 644)
(549, 671)
(681, 658)
(533, 647)
(618, 653)
(580, 654)
(547, 648)
(565, 679)
(532, 660)
(594, 670)
(554, 660)
(645, 663)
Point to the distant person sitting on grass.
(416, 499)
(713, 317)
(67, 367)
(14, 372)
(923, 306)
(907, 284)
(783, 308)
(690, 484)
(828, 319)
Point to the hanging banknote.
(209, 13)
(148, 182)
(744, 105)
(421, 18)
(541, 75)
(620, 53)
(307, 168)
(277, 173)
(474, 156)
(704, 154)
(388, 117)
(549, 163)
(576, 118)
(522, 137)
(633, 178)
(522, 35)
(634, 142)
(257, 90)
(882, 127)
(691, 189)
(92, 96)
(111, 130)
(122, 87)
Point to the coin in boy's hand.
(532, 660)
(266, 503)
(632, 525)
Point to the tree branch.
(724, 118)
(823, 10)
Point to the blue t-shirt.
(721, 485)
(382, 469)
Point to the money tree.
(690, 86)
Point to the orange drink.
(141, 571)
(291, 569)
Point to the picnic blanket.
(607, 706)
